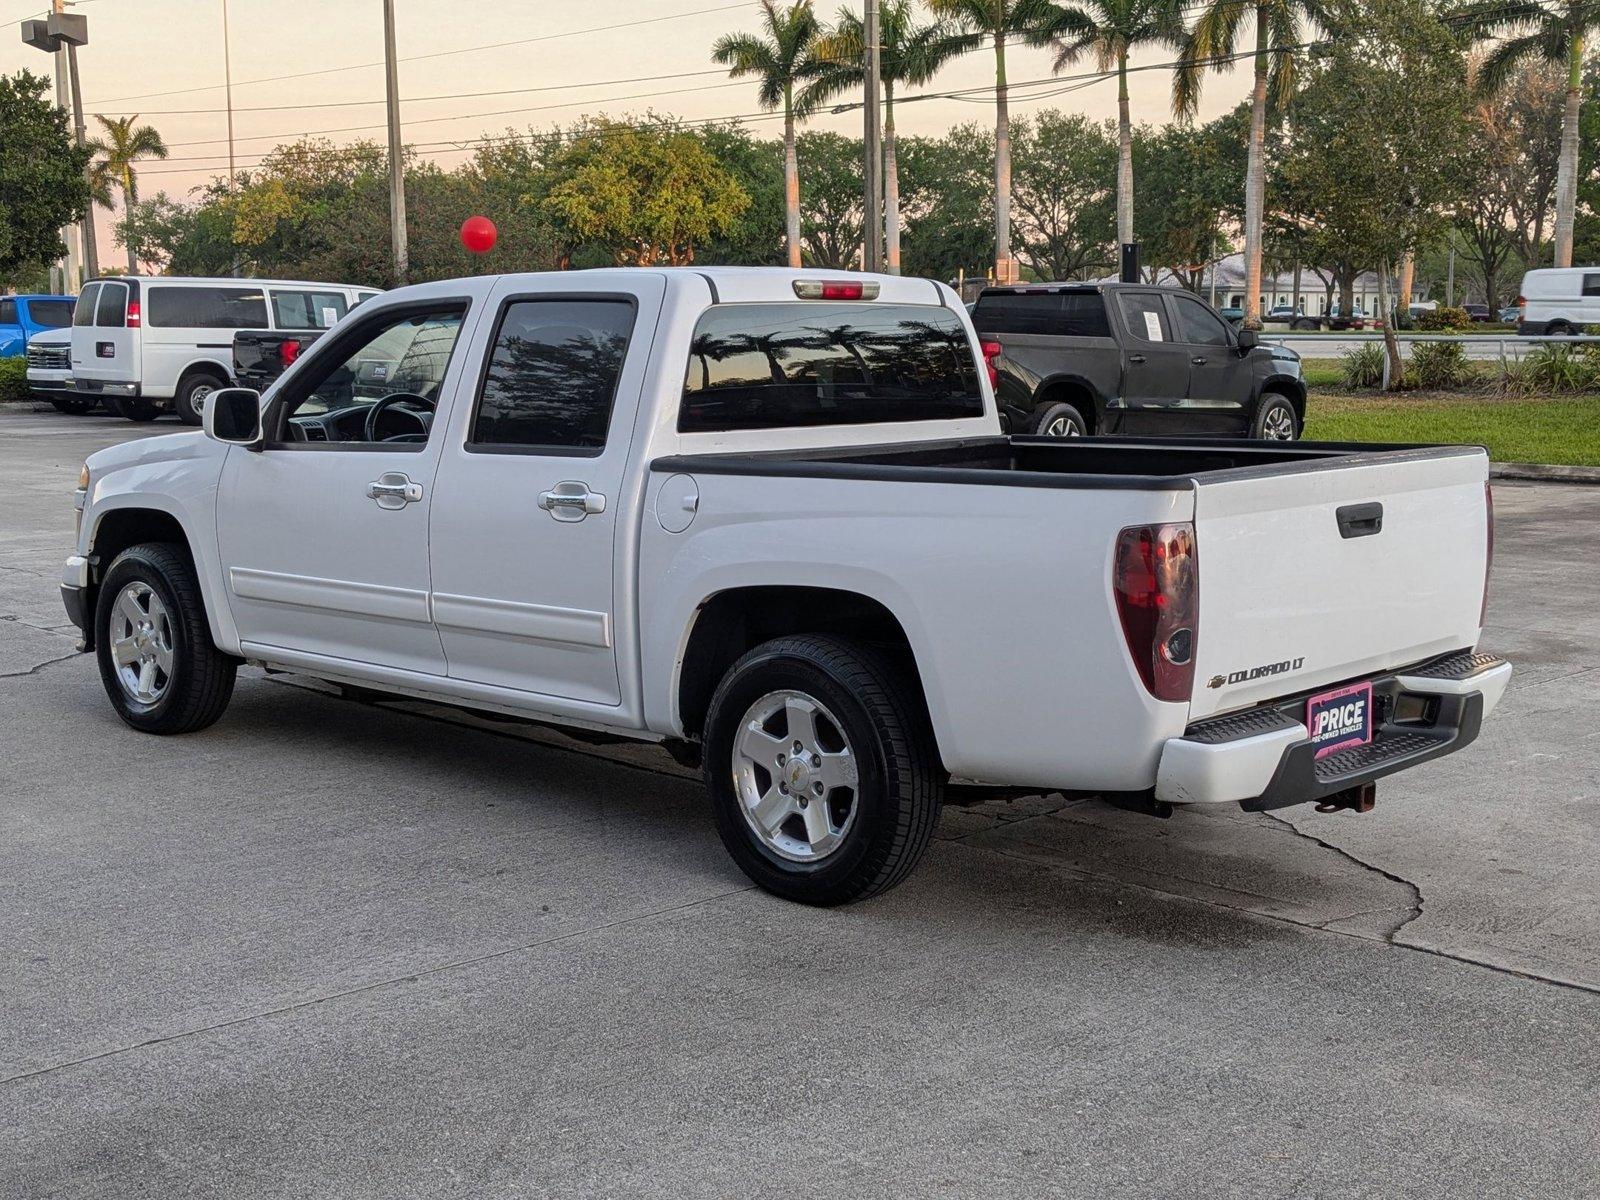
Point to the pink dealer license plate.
(1341, 719)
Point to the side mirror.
(1249, 339)
(233, 416)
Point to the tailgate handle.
(1360, 520)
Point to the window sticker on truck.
(1339, 719)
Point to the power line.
(544, 37)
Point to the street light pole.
(227, 83)
(91, 253)
(872, 173)
(397, 177)
(69, 233)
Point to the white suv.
(154, 345)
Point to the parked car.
(760, 516)
(1336, 319)
(1112, 358)
(162, 344)
(1480, 313)
(261, 355)
(22, 318)
(1510, 314)
(1294, 318)
(49, 371)
(1558, 301)
(1232, 314)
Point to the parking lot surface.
(329, 948)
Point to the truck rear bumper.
(1263, 758)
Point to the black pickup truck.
(1071, 359)
(261, 355)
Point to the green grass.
(1535, 430)
(1320, 372)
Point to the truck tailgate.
(1299, 589)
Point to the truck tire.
(135, 408)
(75, 405)
(1275, 419)
(157, 660)
(191, 394)
(1059, 419)
(847, 814)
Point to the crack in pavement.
(375, 985)
(1416, 892)
(34, 670)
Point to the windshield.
(52, 314)
(765, 366)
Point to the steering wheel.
(385, 404)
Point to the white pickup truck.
(769, 518)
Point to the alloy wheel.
(795, 775)
(141, 643)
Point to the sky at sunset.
(598, 61)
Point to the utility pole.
(397, 171)
(227, 83)
(872, 172)
(90, 250)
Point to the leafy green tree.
(1280, 28)
(783, 59)
(947, 202)
(1376, 138)
(910, 54)
(122, 143)
(1550, 31)
(645, 194)
(185, 239)
(755, 238)
(975, 24)
(1063, 197)
(43, 185)
(1109, 30)
(1192, 185)
(832, 216)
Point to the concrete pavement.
(337, 949)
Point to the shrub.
(1553, 367)
(1362, 366)
(1440, 319)
(13, 379)
(1439, 365)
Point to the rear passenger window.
(83, 314)
(1065, 314)
(206, 308)
(1591, 285)
(771, 366)
(112, 312)
(307, 310)
(1146, 316)
(552, 377)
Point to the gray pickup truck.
(1070, 359)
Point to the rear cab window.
(8, 312)
(1061, 314)
(50, 314)
(809, 363)
(206, 308)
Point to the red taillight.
(991, 351)
(1488, 553)
(133, 314)
(288, 350)
(836, 289)
(1155, 578)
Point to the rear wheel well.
(203, 367)
(1069, 392)
(733, 622)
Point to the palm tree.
(1110, 29)
(784, 58)
(999, 21)
(122, 145)
(1540, 31)
(1279, 31)
(909, 54)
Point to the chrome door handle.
(394, 489)
(1135, 358)
(571, 501)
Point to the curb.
(1544, 473)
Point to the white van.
(162, 344)
(1559, 301)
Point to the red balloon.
(478, 234)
